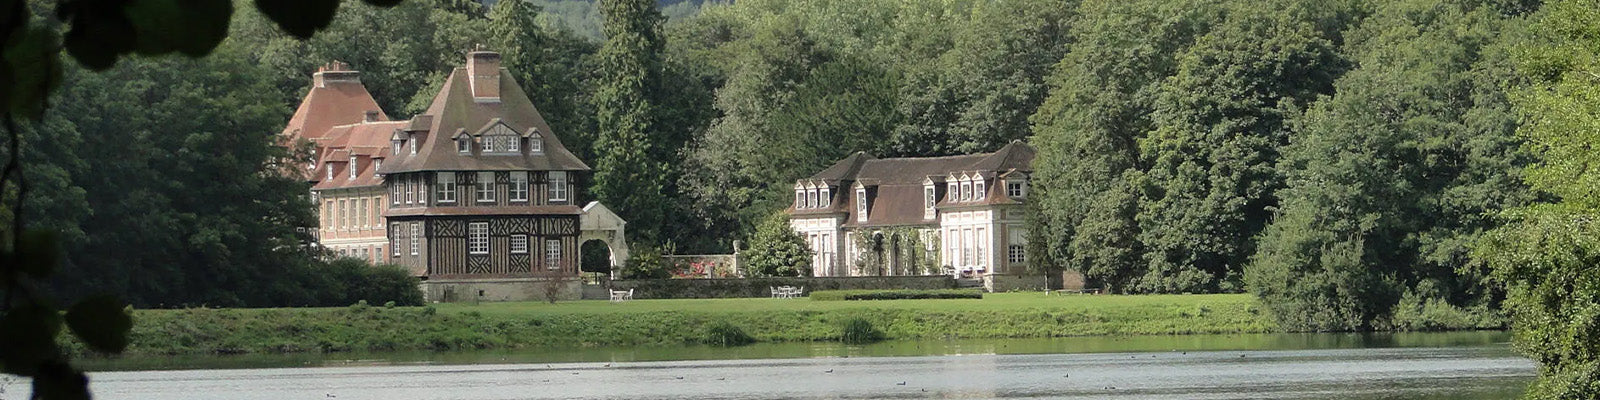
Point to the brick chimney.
(334, 71)
(483, 72)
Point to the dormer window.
(966, 189)
(512, 144)
(977, 188)
(952, 190)
(377, 163)
(464, 145)
(799, 199)
(535, 144)
(330, 171)
(397, 146)
(827, 198)
(352, 167)
(861, 204)
(928, 201)
(814, 202)
(413, 142)
(1016, 189)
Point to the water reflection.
(1469, 372)
(1100, 344)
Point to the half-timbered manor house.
(966, 210)
(474, 195)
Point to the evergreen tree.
(628, 175)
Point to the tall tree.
(1546, 254)
(1218, 125)
(629, 175)
(545, 63)
(1083, 199)
(1390, 178)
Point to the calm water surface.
(1469, 365)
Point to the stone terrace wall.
(761, 287)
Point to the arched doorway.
(596, 259)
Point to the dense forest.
(1405, 164)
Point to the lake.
(1458, 365)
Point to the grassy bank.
(661, 322)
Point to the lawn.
(672, 322)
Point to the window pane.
(478, 237)
(552, 254)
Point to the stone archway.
(598, 223)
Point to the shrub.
(835, 295)
(722, 333)
(859, 331)
(646, 264)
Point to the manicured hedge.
(834, 295)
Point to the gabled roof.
(454, 108)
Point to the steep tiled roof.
(337, 97)
(454, 108)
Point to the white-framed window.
(394, 197)
(394, 230)
(966, 190)
(327, 215)
(411, 192)
(377, 213)
(977, 190)
(980, 243)
(485, 186)
(416, 232)
(552, 254)
(464, 145)
(966, 247)
(446, 181)
(1014, 189)
(478, 238)
(363, 213)
(861, 205)
(396, 148)
(519, 244)
(1015, 254)
(413, 143)
(519, 186)
(330, 171)
(535, 144)
(927, 198)
(816, 199)
(513, 144)
(827, 198)
(952, 191)
(558, 185)
(353, 167)
(344, 216)
(422, 189)
(799, 199)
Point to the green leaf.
(102, 322)
(39, 252)
(99, 34)
(299, 18)
(27, 339)
(31, 70)
(193, 27)
(59, 381)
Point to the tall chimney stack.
(334, 71)
(483, 72)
